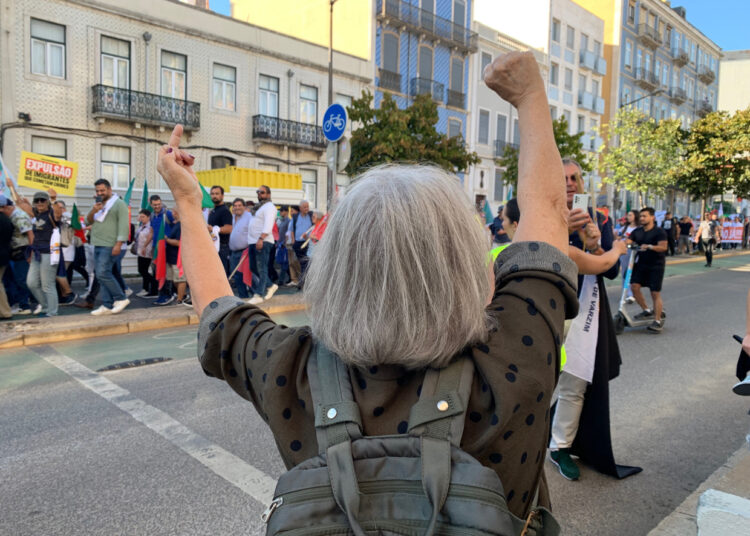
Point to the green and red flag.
(160, 255)
(127, 197)
(144, 196)
(75, 224)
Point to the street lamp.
(652, 94)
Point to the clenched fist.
(514, 77)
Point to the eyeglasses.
(40, 200)
(573, 177)
(260, 192)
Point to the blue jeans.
(117, 268)
(41, 283)
(110, 288)
(259, 265)
(19, 291)
(234, 260)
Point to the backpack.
(418, 483)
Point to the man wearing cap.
(18, 264)
(6, 237)
(42, 274)
(110, 227)
(499, 236)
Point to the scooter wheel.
(619, 323)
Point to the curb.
(66, 333)
(702, 258)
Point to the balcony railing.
(587, 59)
(425, 86)
(677, 95)
(680, 56)
(646, 78)
(706, 74)
(146, 108)
(586, 100)
(402, 13)
(500, 146)
(649, 36)
(601, 66)
(704, 108)
(284, 131)
(598, 105)
(456, 99)
(389, 80)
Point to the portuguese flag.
(160, 254)
(128, 194)
(75, 224)
(144, 196)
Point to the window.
(390, 52)
(647, 65)
(597, 48)
(221, 162)
(115, 62)
(486, 60)
(668, 36)
(581, 82)
(581, 124)
(555, 30)
(631, 11)
(425, 62)
(502, 127)
(484, 127)
(459, 12)
(593, 125)
(268, 96)
(54, 147)
(225, 79)
(691, 88)
(173, 75)
(625, 96)
(47, 48)
(692, 52)
(638, 58)
(343, 100)
(675, 78)
(554, 74)
(516, 133)
(657, 68)
(553, 112)
(663, 111)
(457, 74)
(454, 128)
(571, 39)
(584, 42)
(595, 87)
(568, 79)
(628, 54)
(308, 104)
(116, 165)
(309, 185)
(566, 114)
(498, 185)
(665, 76)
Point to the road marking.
(745, 268)
(234, 470)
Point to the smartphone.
(581, 201)
(99, 199)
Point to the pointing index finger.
(174, 139)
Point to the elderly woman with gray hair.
(400, 287)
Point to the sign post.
(334, 125)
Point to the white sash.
(215, 237)
(99, 216)
(54, 247)
(580, 344)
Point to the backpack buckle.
(532, 515)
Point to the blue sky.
(725, 22)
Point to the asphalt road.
(162, 449)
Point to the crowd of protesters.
(40, 250)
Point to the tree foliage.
(390, 134)
(642, 155)
(569, 145)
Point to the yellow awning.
(249, 178)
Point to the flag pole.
(244, 256)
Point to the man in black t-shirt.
(670, 226)
(686, 229)
(648, 270)
(221, 217)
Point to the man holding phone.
(648, 270)
(110, 226)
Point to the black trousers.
(303, 259)
(150, 284)
(670, 244)
(708, 249)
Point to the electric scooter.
(623, 318)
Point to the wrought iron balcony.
(646, 79)
(389, 80)
(286, 132)
(425, 86)
(587, 60)
(146, 108)
(704, 108)
(456, 99)
(500, 146)
(649, 36)
(680, 56)
(677, 95)
(402, 13)
(706, 74)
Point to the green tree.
(642, 155)
(569, 145)
(390, 134)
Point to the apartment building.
(494, 123)
(103, 83)
(423, 47)
(576, 70)
(734, 81)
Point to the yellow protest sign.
(43, 172)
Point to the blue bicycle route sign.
(334, 122)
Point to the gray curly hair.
(400, 275)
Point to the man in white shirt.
(260, 239)
(238, 241)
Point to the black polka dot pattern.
(475, 416)
(402, 427)
(496, 457)
(527, 340)
(529, 419)
(295, 445)
(378, 411)
(281, 381)
(533, 246)
(287, 413)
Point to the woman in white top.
(631, 224)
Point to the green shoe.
(568, 468)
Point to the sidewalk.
(142, 315)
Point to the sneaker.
(20, 310)
(141, 294)
(38, 309)
(255, 300)
(742, 388)
(656, 326)
(70, 299)
(291, 284)
(164, 300)
(101, 311)
(185, 302)
(630, 299)
(119, 305)
(271, 291)
(128, 292)
(565, 464)
(151, 296)
(188, 301)
(646, 313)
